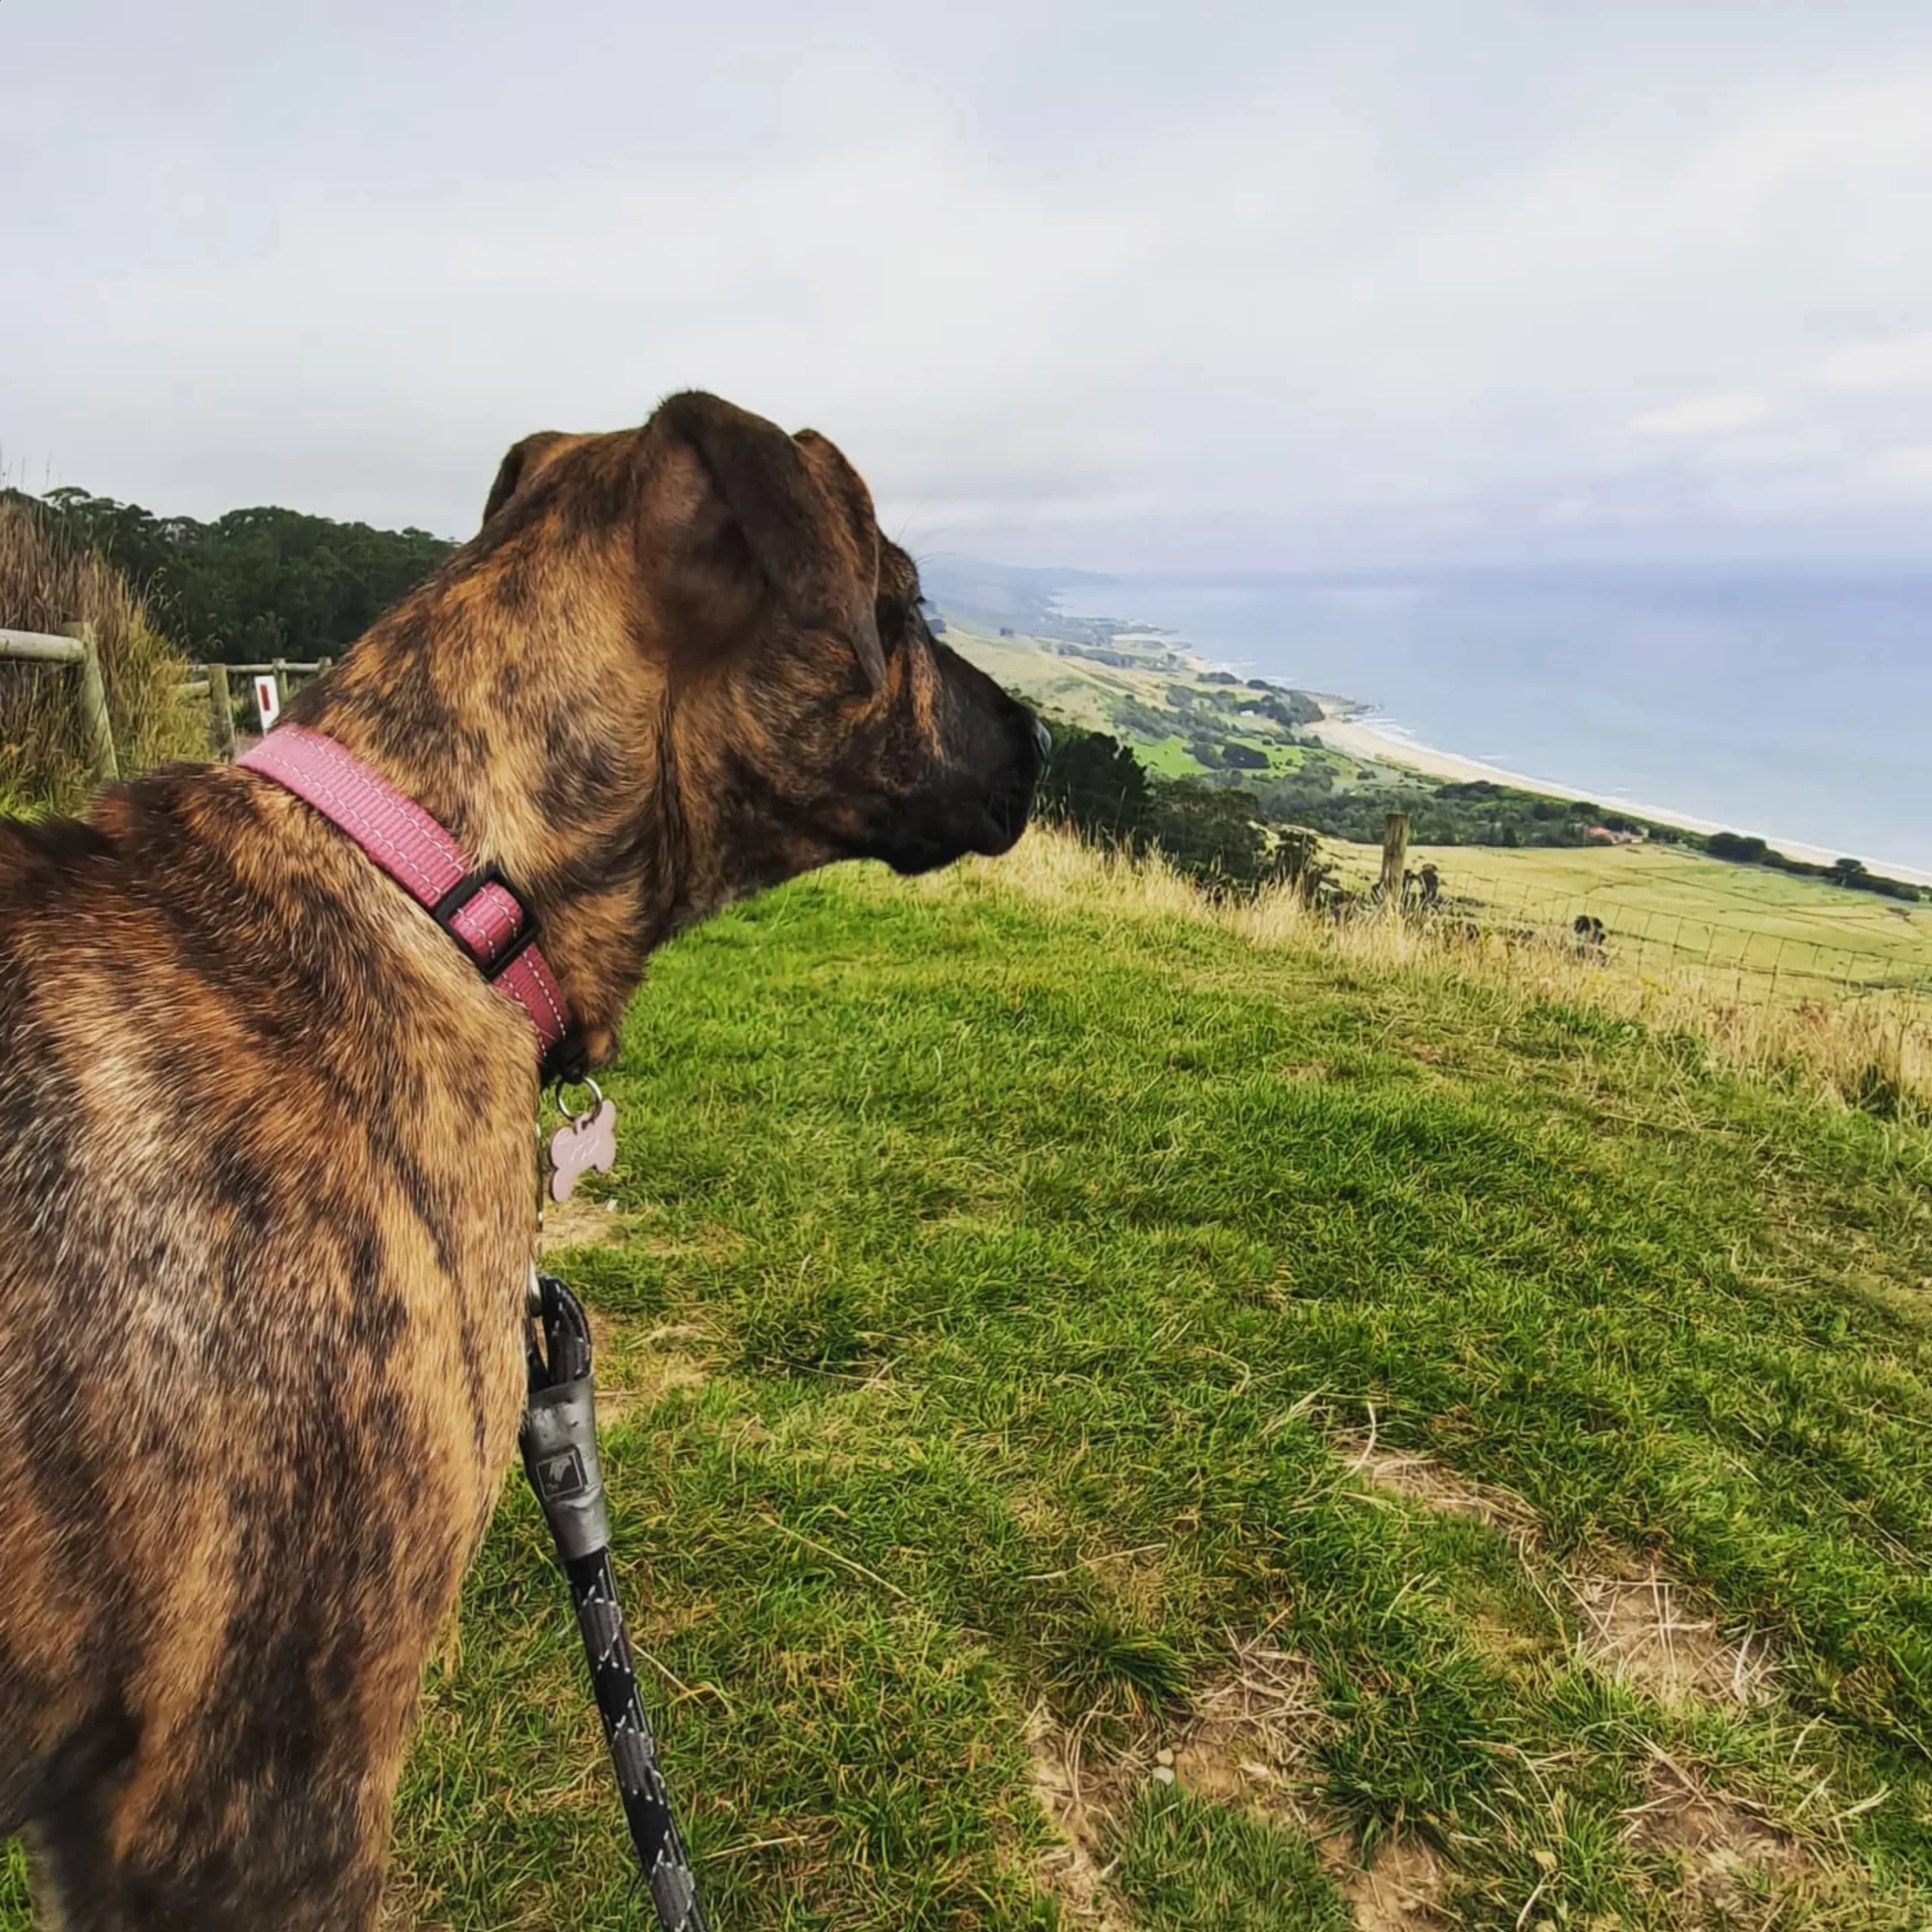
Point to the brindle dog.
(267, 1199)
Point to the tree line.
(253, 584)
(1744, 850)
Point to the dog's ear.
(801, 511)
(520, 465)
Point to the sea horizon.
(1788, 703)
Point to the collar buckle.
(446, 909)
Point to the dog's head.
(806, 710)
(679, 664)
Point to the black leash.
(560, 1458)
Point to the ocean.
(1795, 703)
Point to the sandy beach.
(1349, 730)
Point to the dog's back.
(258, 1339)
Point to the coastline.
(1349, 726)
(1346, 727)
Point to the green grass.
(1022, 1266)
(1188, 1866)
(1284, 759)
(1168, 757)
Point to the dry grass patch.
(1311, 1072)
(1732, 1855)
(650, 1369)
(1636, 1624)
(1036, 1509)
(580, 1222)
(1081, 1802)
(1665, 1640)
(706, 1243)
(1419, 1479)
(401, 1910)
(1245, 1742)
(1400, 1889)
(1247, 1739)
(633, 1371)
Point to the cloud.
(1903, 362)
(1703, 416)
(1906, 472)
(1067, 281)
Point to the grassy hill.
(1136, 703)
(1123, 1416)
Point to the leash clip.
(560, 1424)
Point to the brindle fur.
(266, 1203)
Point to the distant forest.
(253, 584)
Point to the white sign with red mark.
(268, 701)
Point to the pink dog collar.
(477, 909)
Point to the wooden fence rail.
(221, 712)
(75, 645)
(37, 647)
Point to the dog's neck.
(552, 755)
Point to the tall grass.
(1873, 1052)
(47, 582)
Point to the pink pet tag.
(585, 1141)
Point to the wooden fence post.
(93, 704)
(279, 666)
(221, 714)
(1395, 854)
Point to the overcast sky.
(1093, 284)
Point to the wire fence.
(1848, 946)
(1786, 955)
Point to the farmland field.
(1666, 907)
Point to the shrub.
(1211, 834)
(47, 580)
(1094, 783)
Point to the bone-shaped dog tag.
(588, 1141)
